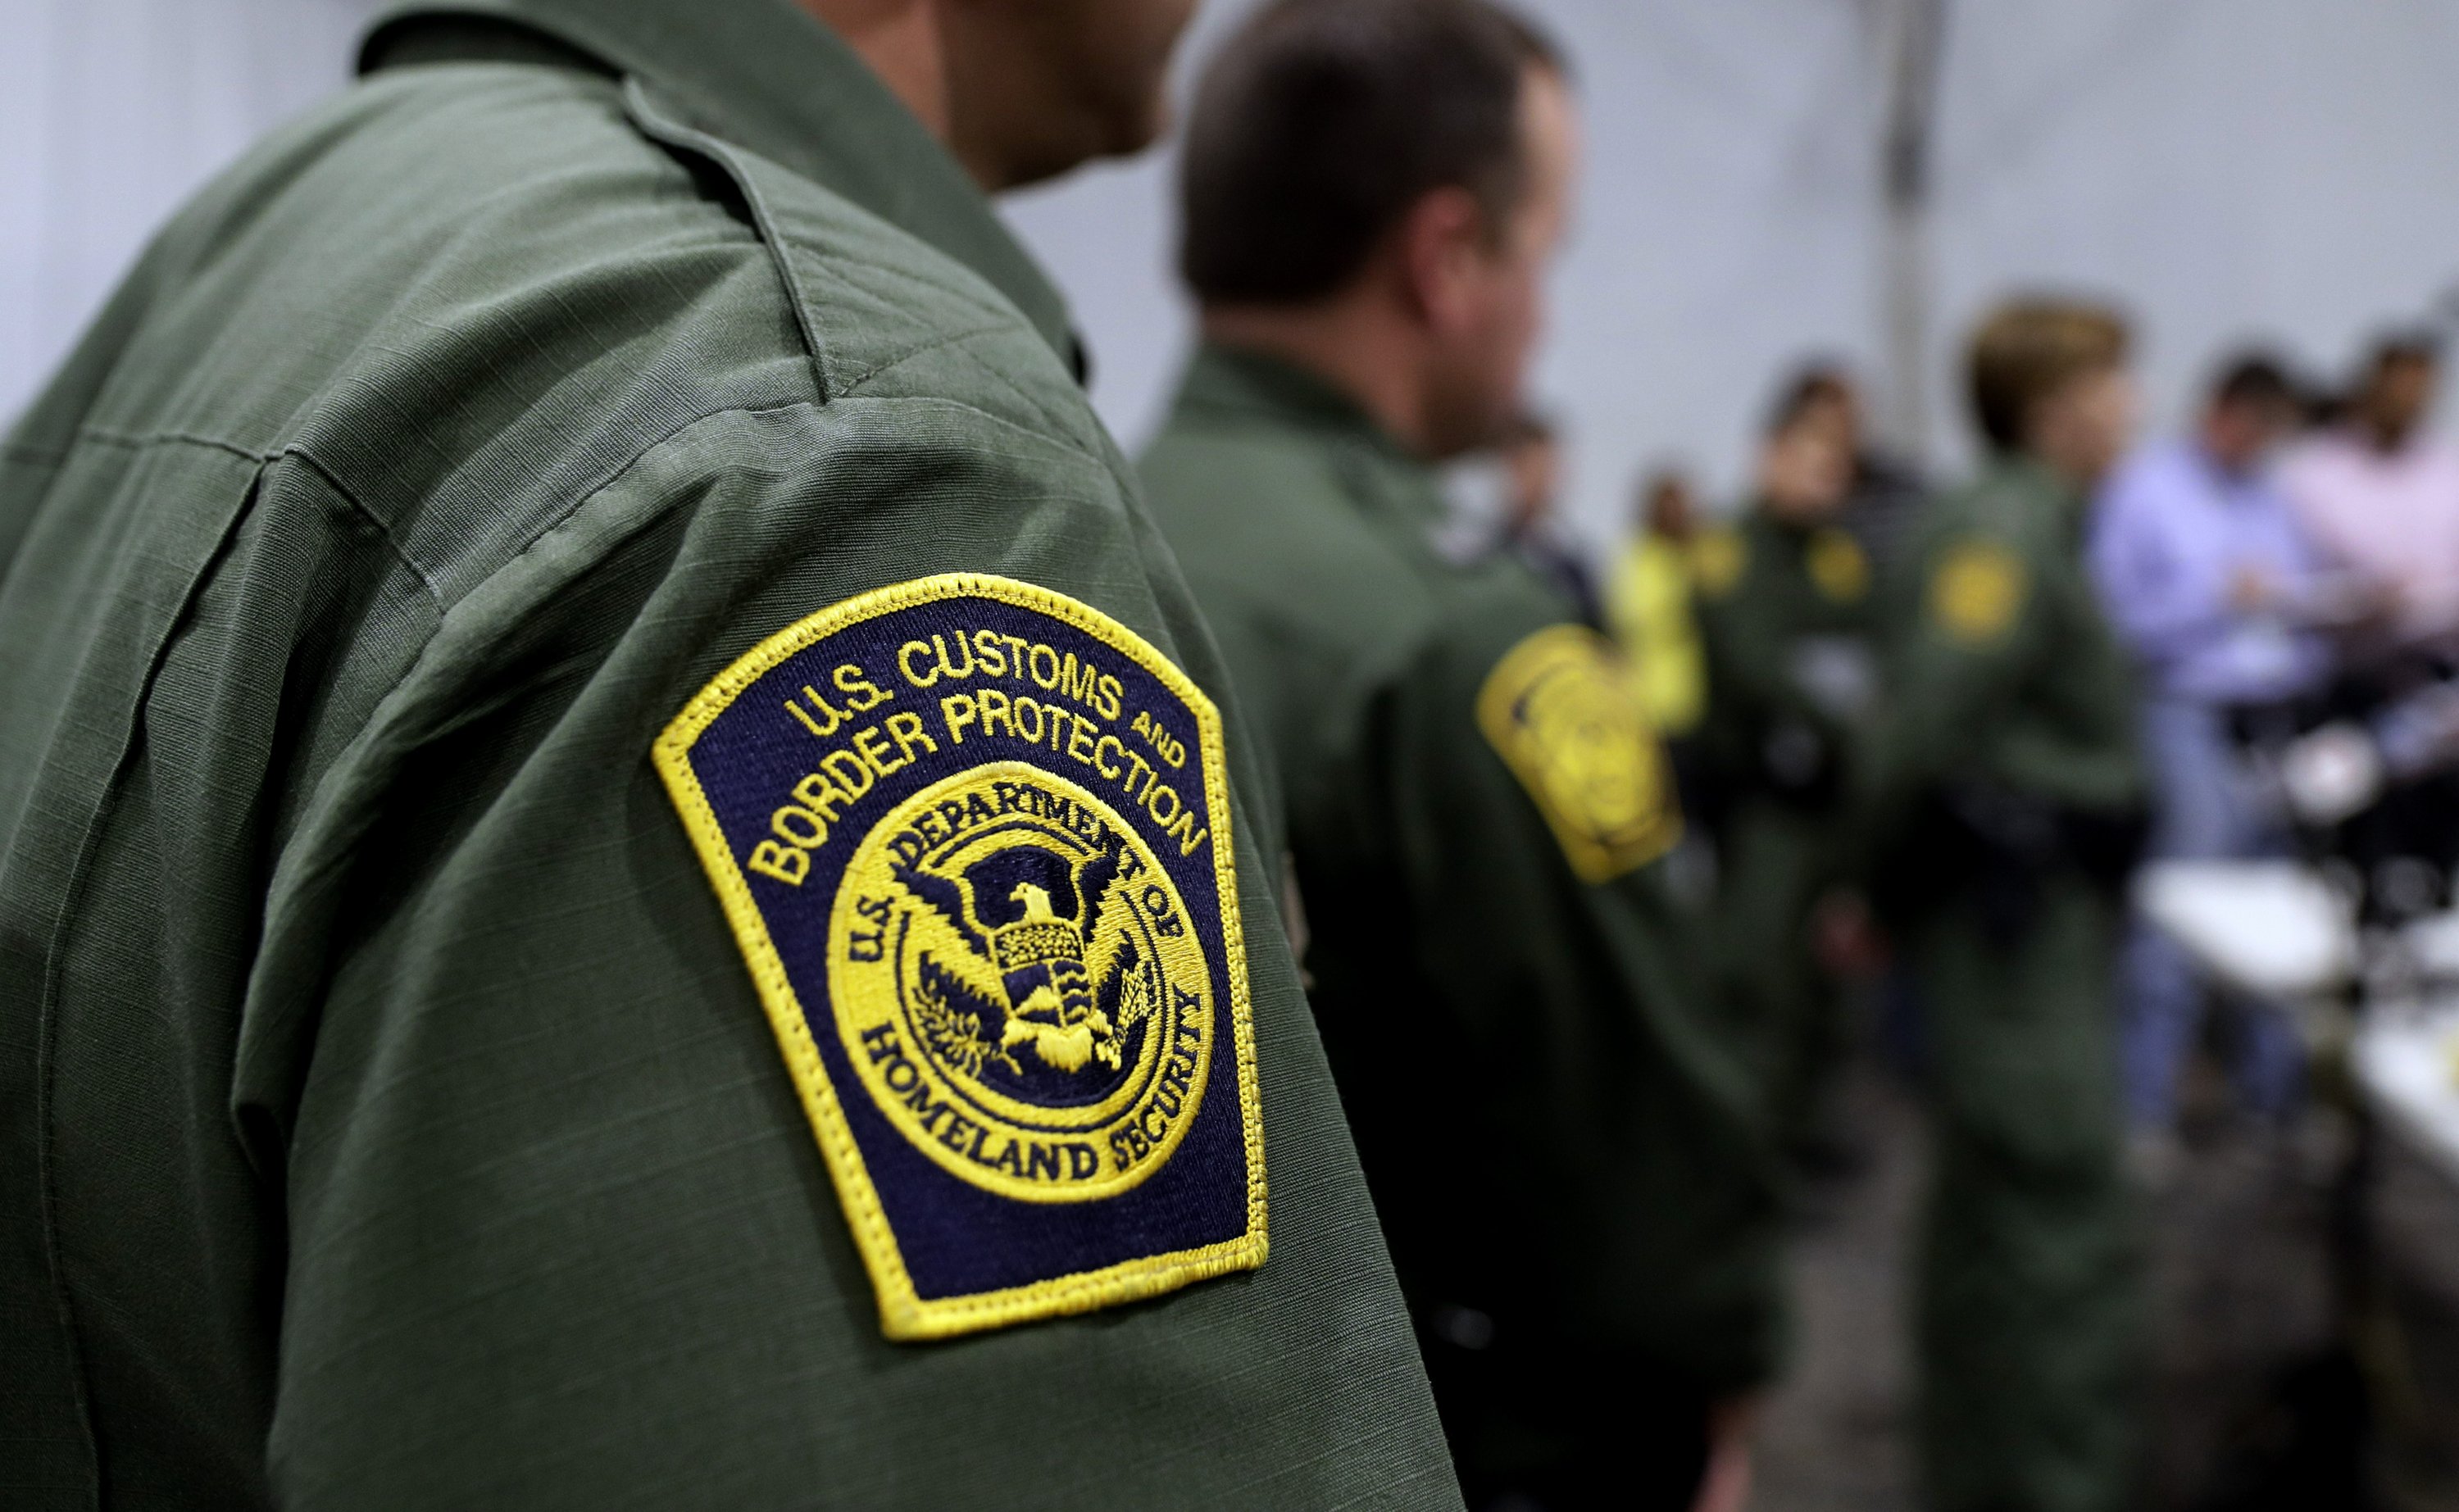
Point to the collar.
(1760, 515)
(1244, 384)
(768, 76)
(2029, 478)
(1244, 381)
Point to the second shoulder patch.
(1976, 591)
(1560, 710)
(1837, 566)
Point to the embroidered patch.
(1718, 559)
(1560, 710)
(1837, 566)
(1975, 593)
(973, 837)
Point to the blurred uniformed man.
(620, 883)
(1784, 599)
(2005, 778)
(1559, 1144)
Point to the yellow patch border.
(904, 1315)
(1590, 861)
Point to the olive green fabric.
(2031, 1321)
(1788, 664)
(2046, 706)
(387, 1115)
(1556, 1134)
(2030, 1316)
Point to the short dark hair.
(1811, 385)
(2255, 378)
(1527, 427)
(1320, 122)
(2029, 349)
(2396, 348)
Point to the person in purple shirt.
(2206, 574)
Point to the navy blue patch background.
(956, 1238)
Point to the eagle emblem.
(1017, 938)
(1560, 711)
(1015, 979)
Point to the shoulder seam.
(392, 544)
(663, 128)
(343, 847)
(137, 440)
(133, 439)
(857, 382)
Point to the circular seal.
(1019, 987)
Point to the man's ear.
(1441, 244)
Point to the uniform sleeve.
(561, 1232)
(1960, 639)
(1735, 685)
(1528, 806)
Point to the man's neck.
(901, 42)
(1347, 345)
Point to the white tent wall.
(2228, 170)
(2225, 168)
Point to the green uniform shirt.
(389, 1114)
(2000, 667)
(2009, 698)
(1786, 617)
(1554, 1133)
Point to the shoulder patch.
(1837, 566)
(1719, 556)
(1561, 711)
(1976, 591)
(973, 837)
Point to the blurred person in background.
(1532, 453)
(1884, 494)
(1648, 603)
(2005, 793)
(1786, 624)
(1561, 1147)
(418, 1087)
(2210, 580)
(2379, 496)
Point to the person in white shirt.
(2380, 497)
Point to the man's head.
(2048, 379)
(1667, 506)
(2396, 392)
(2252, 407)
(1373, 188)
(1806, 462)
(1021, 89)
(1825, 393)
(1532, 462)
